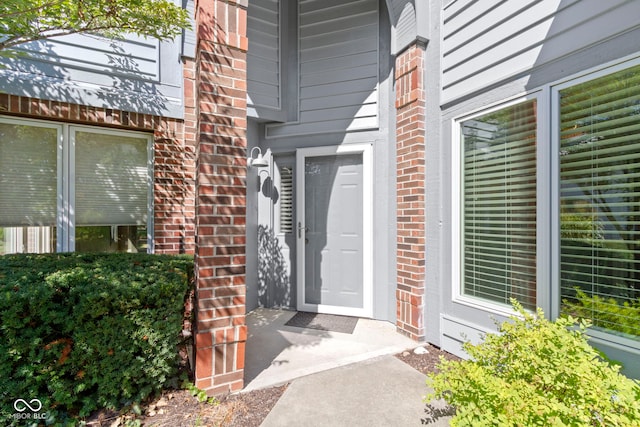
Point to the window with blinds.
(499, 205)
(28, 187)
(99, 201)
(112, 179)
(600, 201)
(111, 191)
(28, 175)
(286, 200)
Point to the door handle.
(300, 228)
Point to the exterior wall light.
(258, 161)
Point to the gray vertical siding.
(486, 42)
(338, 54)
(263, 57)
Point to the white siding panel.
(338, 56)
(487, 42)
(263, 57)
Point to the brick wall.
(410, 152)
(174, 159)
(220, 195)
(175, 163)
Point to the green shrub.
(606, 313)
(86, 331)
(536, 373)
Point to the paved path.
(378, 392)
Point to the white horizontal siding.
(486, 42)
(338, 42)
(263, 57)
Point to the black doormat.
(323, 322)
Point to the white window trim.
(59, 166)
(457, 205)
(70, 186)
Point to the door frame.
(367, 228)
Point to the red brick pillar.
(410, 152)
(220, 194)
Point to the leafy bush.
(606, 313)
(84, 331)
(536, 373)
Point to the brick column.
(410, 152)
(220, 194)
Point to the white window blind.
(600, 201)
(28, 175)
(499, 206)
(111, 179)
(286, 200)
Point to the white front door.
(334, 230)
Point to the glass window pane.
(14, 240)
(28, 188)
(111, 191)
(600, 201)
(28, 175)
(117, 238)
(499, 206)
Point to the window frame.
(599, 336)
(457, 171)
(548, 200)
(65, 205)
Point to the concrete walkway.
(335, 379)
(383, 392)
(276, 354)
